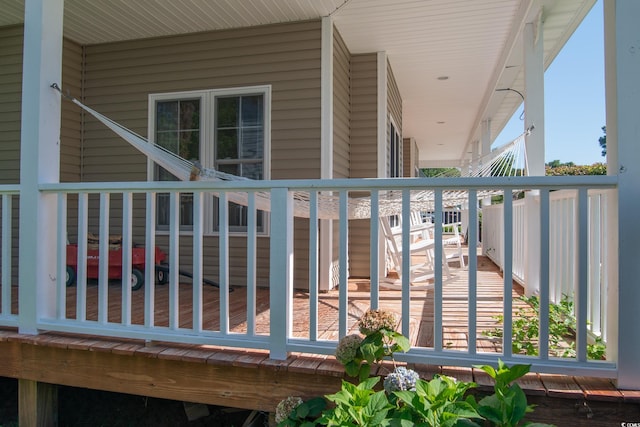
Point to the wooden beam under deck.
(249, 379)
(213, 375)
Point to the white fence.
(134, 205)
(564, 248)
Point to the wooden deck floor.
(245, 379)
(455, 308)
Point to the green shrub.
(405, 400)
(562, 327)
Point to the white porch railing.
(280, 339)
(8, 198)
(564, 241)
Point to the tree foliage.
(440, 172)
(603, 141)
(555, 168)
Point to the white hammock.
(499, 162)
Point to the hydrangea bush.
(404, 398)
(401, 379)
(380, 341)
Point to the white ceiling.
(475, 43)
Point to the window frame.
(208, 150)
(395, 151)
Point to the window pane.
(227, 144)
(177, 130)
(252, 170)
(168, 140)
(190, 145)
(252, 142)
(232, 169)
(186, 209)
(167, 115)
(162, 202)
(227, 111)
(190, 114)
(252, 114)
(163, 175)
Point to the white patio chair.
(421, 251)
(455, 241)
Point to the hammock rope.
(500, 162)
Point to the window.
(395, 146)
(395, 162)
(227, 129)
(178, 130)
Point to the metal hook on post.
(66, 95)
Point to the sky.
(574, 97)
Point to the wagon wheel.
(71, 276)
(137, 279)
(162, 275)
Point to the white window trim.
(392, 126)
(207, 151)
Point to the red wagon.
(115, 264)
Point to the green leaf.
(365, 371)
(395, 422)
(463, 409)
(378, 402)
(405, 395)
(490, 408)
(369, 383)
(340, 398)
(316, 406)
(519, 404)
(513, 373)
(402, 342)
(302, 411)
(369, 351)
(488, 369)
(352, 368)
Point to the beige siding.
(341, 107)
(10, 94)
(364, 164)
(364, 144)
(120, 76)
(10, 107)
(410, 157)
(394, 113)
(71, 125)
(11, 47)
(394, 100)
(364, 116)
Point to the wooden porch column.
(534, 116)
(39, 160)
(37, 404)
(622, 68)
